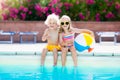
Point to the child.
(66, 38)
(51, 35)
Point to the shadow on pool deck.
(103, 49)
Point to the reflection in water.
(57, 73)
(75, 73)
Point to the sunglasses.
(62, 23)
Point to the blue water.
(35, 72)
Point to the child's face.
(53, 24)
(65, 23)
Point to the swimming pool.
(21, 67)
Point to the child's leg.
(74, 55)
(64, 52)
(55, 55)
(43, 55)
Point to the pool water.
(90, 68)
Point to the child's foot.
(42, 65)
(54, 65)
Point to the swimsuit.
(68, 37)
(51, 47)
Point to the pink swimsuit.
(68, 37)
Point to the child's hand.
(48, 36)
(45, 37)
(63, 44)
(69, 43)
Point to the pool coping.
(104, 49)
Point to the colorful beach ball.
(84, 42)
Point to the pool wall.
(28, 26)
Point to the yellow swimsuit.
(51, 47)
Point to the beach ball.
(84, 42)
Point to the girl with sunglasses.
(66, 38)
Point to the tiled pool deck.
(103, 49)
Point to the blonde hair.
(52, 16)
(70, 23)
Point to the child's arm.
(84, 31)
(60, 39)
(45, 35)
(61, 42)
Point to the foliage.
(78, 10)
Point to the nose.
(65, 26)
